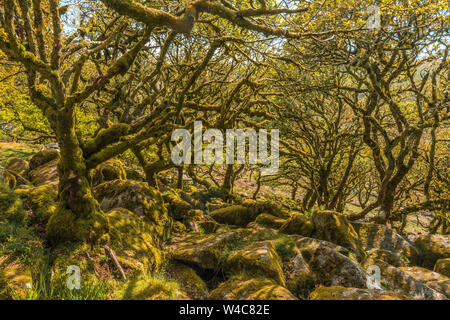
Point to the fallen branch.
(113, 257)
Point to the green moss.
(11, 206)
(285, 247)
(106, 137)
(41, 201)
(73, 253)
(64, 225)
(297, 224)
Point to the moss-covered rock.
(246, 212)
(144, 201)
(234, 215)
(41, 201)
(11, 206)
(189, 280)
(334, 227)
(43, 157)
(45, 174)
(151, 288)
(432, 248)
(399, 281)
(298, 224)
(442, 266)
(269, 220)
(330, 268)
(245, 287)
(204, 251)
(133, 241)
(269, 207)
(259, 258)
(423, 275)
(381, 237)
(343, 293)
(107, 171)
